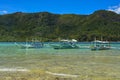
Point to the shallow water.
(82, 62)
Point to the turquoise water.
(10, 50)
(73, 61)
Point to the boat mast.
(95, 42)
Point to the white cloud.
(3, 12)
(115, 9)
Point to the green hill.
(51, 27)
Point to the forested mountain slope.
(51, 27)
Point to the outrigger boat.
(33, 44)
(100, 45)
(66, 44)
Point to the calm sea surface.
(73, 61)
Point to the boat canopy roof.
(98, 41)
(66, 40)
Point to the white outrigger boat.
(33, 44)
(100, 45)
(66, 44)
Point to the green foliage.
(51, 27)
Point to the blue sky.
(58, 6)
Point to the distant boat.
(66, 44)
(100, 45)
(33, 44)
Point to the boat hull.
(97, 48)
(65, 47)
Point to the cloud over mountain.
(3, 12)
(115, 8)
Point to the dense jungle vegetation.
(47, 26)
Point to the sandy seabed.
(95, 65)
